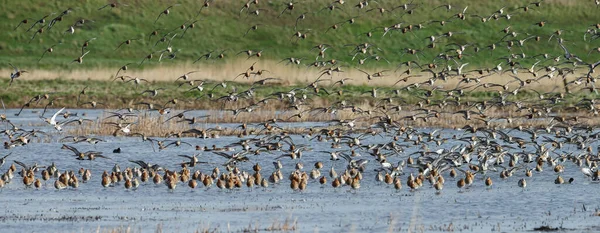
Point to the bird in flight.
(16, 74)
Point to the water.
(375, 207)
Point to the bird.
(522, 183)
(79, 60)
(48, 50)
(488, 182)
(121, 127)
(59, 185)
(88, 155)
(3, 159)
(165, 12)
(193, 160)
(22, 22)
(460, 183)
(252, 28)
(559, 180)
(112, 5)
(152, 92)
(52, 121)
(126, 42)
(15, 74)
(185, 76)
(136, 80)
(444, 112)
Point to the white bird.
(52, 120)
(71, 30)
(587, 171)
(459, 68)
(125, 129)
(121, 127)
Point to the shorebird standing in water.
(523, 184)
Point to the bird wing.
(186, 143)
(361, 162)
(7, 155)
(586, 171)
(15, 68)
(101, 156)
(346, 157)
(53, 119)
(21, 164)
(73, 149)
(223, 154)
(186, 156)
(141, 163)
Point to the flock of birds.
(370, 142)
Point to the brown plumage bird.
(15, 74)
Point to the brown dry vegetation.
(289, 74)
(255, 123)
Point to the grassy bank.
(214, 95)
(517, 36)
(221, 27)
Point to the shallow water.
(375, 207)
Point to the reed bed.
(287, 74)
(258, 122)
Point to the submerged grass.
(288, 225)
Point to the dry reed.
(289, 74)
(257, 122)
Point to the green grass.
(115, 95)
(221, 27)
